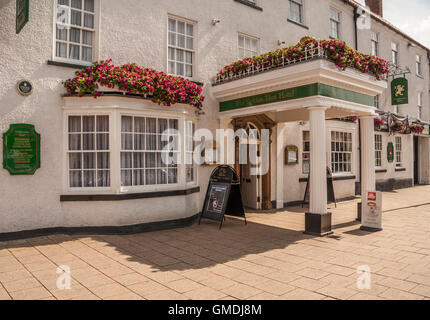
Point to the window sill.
(335, 178)
(249, 4)
(400, 169)
(127, 196)
(67, 64)
(381, 170)
(298, 23)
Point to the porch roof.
(287, 92)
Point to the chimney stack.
(375, 6)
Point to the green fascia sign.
(399, 91)
(21, 149)
(22, 14)
(390, 152)
(315, 89)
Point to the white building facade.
(92, 173)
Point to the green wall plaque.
(399, 91)
(21, 149)
(22, 14)
(390, 152)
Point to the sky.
(411, 16)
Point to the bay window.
(122, 152)
(75, 31)
(398, 141)
(89, 151)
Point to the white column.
(280, 130)
(368, 176)
(225, 142)
(318, 176)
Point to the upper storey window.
(334, 24)
(181, 53)
(248, 46)
(75, 30)
(296, 10)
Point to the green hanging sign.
(21, 149)
(390, 152)
(399, 91)
(22, 14)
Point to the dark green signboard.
(22, 14)
(315, 89)
(399, 91)
(390, 152)
(21, 149)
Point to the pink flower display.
(335, 50)
(132, 79)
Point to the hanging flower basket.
(398, 126)
(352, 118)
(416, 128)
(379, 124)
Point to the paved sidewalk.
(268, 259)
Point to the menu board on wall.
(21, 149)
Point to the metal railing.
(279, 62)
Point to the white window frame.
(395, 53)
(419, 65)
(175, 47)
(420, 105)
(95, 40)
(343, 152)
(398, 151)
(378, 150)
(251, 38)
(301, 4)
(306, 154)
(335, 21)
(374, 38)
(115, 115)
(377, 101)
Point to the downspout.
(358, 192)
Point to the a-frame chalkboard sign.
(331, 197)
(223, 196)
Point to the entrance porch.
(312, 92)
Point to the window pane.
(87, 54)
(61, 50)
(180, 69)
(89, 5)
(103, 160)
(150, 175)
(126, 124)
(61, 33)
(74, 142)
(126, 177)
(89, 160)
(102, 141)
(74, 52)
(171, 54)
(188, 71)
(88, 141)
(89, 178)
(127, 141)
(162, 176)
(75, 161)
(180, 55)
(87, 37)
(190, 43)
(89, 20)
(76, 18)
(181, 41)
(139, 160)
(139, 142)
(77, 4)
(75, 178)
(151, 125)
(88, 123)
(190, 29)
(75, 35)
(172, 25)
(181, 27)
(172, 39)
(126, 160)
(103, 178)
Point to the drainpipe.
(359, 121)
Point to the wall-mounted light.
(215, 22)
(280, 43)
(413, 45)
